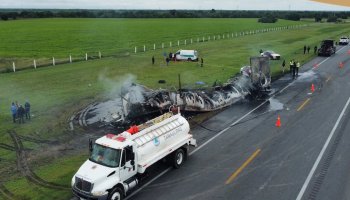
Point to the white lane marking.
(148, 183)
(215, 136)
(311, 174)
(328, 58)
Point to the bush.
(332, 19)
(268, 19)
(4, 17)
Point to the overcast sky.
(172, 4)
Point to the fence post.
(162, 45)
(13, 66)
(208, 38)
(170, 44)
(135, 49)
(214, 37)
(53, 61)
(144, 48)
(70, 58)
(99, 54)
(203, 39)
(197, 40)
(178, 43)
(86, 57)
(191, 41)
(185, 42)
(34, 63)
(223, 36)
(154, 46)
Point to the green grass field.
(57, 92)
(42, 39)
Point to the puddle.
(275, 105)
(306, 76)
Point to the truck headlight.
(99, 193)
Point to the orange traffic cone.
(341, 65)
(312, 88)
(278, 122)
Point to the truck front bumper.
(87, 196)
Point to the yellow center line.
(328, 79)
(240, 169)
(302, 105)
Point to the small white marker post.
(13, 66)
(53, 61)
(185, 42)
(223, 36)
(208, 38)
(99, 54)
(86, 57)
(154, 46)
(203, 39)
(178, 43)
(191, 41)
(144, 48)
(170, 44)
(162, 45)
(135, 49)
(197, 40)
(214, 37)
(70, 58)
(232, 35)
(34, 63)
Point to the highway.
(241, 154)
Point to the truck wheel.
(179, 158)
(116, 194)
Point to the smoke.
(117, 86)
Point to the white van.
(190, 55)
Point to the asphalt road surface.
(243, 155)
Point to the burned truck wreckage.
(254, 80)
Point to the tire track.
(23, 167)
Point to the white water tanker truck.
(117, 162)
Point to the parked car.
(189, 55)
(271, 54)
(344, 40)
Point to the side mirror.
(90, 145)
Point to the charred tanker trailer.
(254, 80)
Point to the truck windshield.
(105, 156)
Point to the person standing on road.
(14, 112)
(153, 60)
(297, 68)
(315, 49)
(308, 49)
(283, 65)
(21, 111)
(304, 49)
(27, 109)
(291, 67)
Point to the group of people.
(307, 49)
(293, 67)
(19, 112)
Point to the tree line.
(289, 15)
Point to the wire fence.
(13, 65)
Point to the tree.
(4, 17)
(268, 19)
(332, 19)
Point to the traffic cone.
(312, 88)
(315, 65)
(278, 122)
(341, 65)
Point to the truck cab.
(112, 160)
(344, 40)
